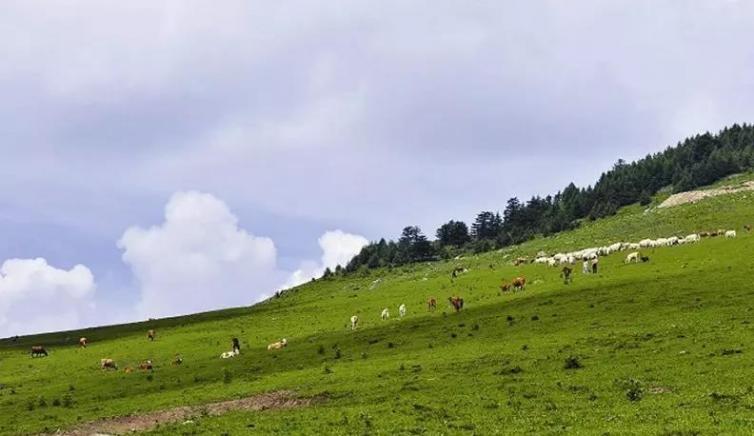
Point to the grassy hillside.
(653, 348)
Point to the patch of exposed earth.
(694, 196)
(148, 421)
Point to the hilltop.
(660, 347)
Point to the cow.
(229, 354)
(354, 322)
(402, 310)
(431, 304)
(730, 234)
(519, 284)
(595, 263)
(565, 273)
(236, 345)
(38, 351)
(146, 365)
(82, 342)
(385, 314)
(505, 287)
(747, 227)
(632, 257)
(456, 302)
(277, 345)
(151, 334)
(108, 364)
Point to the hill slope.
(650, 348)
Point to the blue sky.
(285, 134)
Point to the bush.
(572, 362)
(56, 402)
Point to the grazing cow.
(456, 302)
(565, 273)
(38, 351)
(146, 365)
(229, 354)
(277, 345)
(82, 342)
(633, 257)
(354, 322)
(730, 234)
(108, 364)
(519, 284)
(151, 335)
(645, 259)
(747, 227)
(402, 310)
(385, 314)
(505, 287)
(431, 304)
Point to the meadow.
(654, 348)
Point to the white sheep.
(385, 314)
(277, 345)
(229, 354)
(354, 322)
(402, 310)
(633, 257)
(730, 234)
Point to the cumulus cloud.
(338, 247)
(37, 297)
(198, 259)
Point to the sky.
(166, 157)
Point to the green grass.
(662, 347)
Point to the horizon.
(216, 156)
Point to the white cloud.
(198, 259)
(36, 297)
(338, 248)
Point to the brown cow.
(38, 351)
(505, 287)
(747, 227)
(519, 283)
(456, 302)
(146, 365)
(431, 304)
(82, 342)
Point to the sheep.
(82, 342)
(692, 238)
(151, 334)
(730, 234)
(585, 267)
(38, 351)
(277, 345)
(632, 257)
(178, 360)
(385, 314)
(354, 322)
(633, 246)
(402, 310)
(108, 364)
(646, 243)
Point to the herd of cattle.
(589, 256)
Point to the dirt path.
(694, 196)
(126, 424)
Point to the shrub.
(572, 362)
(56, 402)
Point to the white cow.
(229, 354)
(730, 234)
(385, 314)
(354, 322)
(633, 257)
(402, 310)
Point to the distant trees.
(453, 233)
(697, 161)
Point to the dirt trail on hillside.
(138, 423)
(694, 196)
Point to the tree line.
(695, 162)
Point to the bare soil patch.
(137, 423)
(694, 196)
